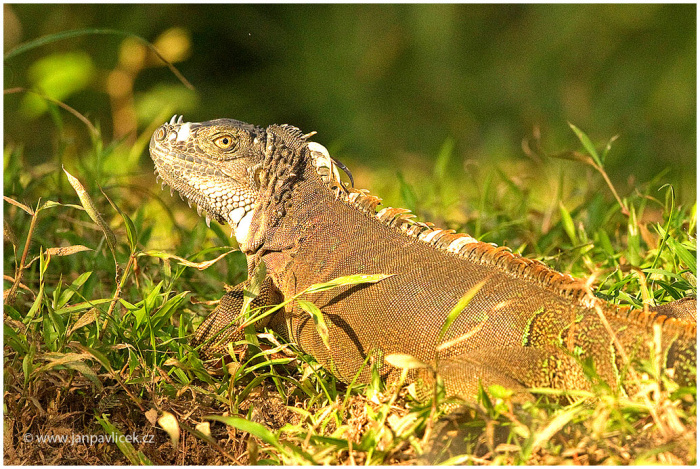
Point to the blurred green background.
(385, 86)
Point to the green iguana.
(526, 326)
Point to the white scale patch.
(322, 159)
(243, 228)
(236, 216)
(184, 132)
(240, 221)
(459, 243)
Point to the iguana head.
(212, 164)
(229, 168)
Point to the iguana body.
(526, 326)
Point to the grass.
(98, 317)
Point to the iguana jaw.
(197, 177)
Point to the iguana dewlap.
(526, 326)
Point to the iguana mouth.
(188, 170)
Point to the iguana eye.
(160, 134)
(225, 142)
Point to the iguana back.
(526, 325)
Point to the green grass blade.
(568, 224)
(131, 233)
(357, 279)
(135, 457)
(319, 322)
(459, 307)
(443, 160)
(607, 148)
(70, 291)
(587, 144)
(35, 306)
(247, 426)
(22, 48)
(685, 255)
(253, 289)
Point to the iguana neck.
(278, 175)
(284, 159)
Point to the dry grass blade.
(347, 280)
(105, 363)
(71, 360)
(456, 340)
(572, 155)
(197, 265)
(89, 206)
(602, 172)
(20, 285)
(203, 431)
(9, 234)
(87, 318)
(168, 422)
(404, 361)
(67, 250)
(10, 296)
(593, 160)
(55, 359)
(556, 424)
(18, 205)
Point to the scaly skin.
(526, 326)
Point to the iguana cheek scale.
(527, 325)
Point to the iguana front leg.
(222, 326)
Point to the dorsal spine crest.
(467, 247)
